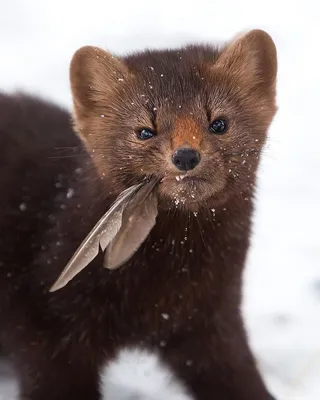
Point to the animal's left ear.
(251, 57)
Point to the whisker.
(68, 156)
(67, 147)
(201, 233)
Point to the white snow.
(282, 294)
(139, 374)
(70, 193)
(23, 207)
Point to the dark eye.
(218, 126)
(145, 134)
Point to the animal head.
(196, 118)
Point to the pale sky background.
(282, 285)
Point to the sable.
(194, 120)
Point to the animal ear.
(94, 76)
(252, 57)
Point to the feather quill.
(101, 235)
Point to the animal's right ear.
(94, 76)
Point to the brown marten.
(197, 119)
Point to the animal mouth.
(184, 178)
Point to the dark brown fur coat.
(181, 292)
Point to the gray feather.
(138, 219)
(102, 234)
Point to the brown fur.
(186, 134)
(181, 292)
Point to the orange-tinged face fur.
(176, 94)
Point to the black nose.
(186, 159)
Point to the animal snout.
(186, 159)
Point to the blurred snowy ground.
(282, 285)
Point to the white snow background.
(282, 285)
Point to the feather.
(102, 233)
(138, 219)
